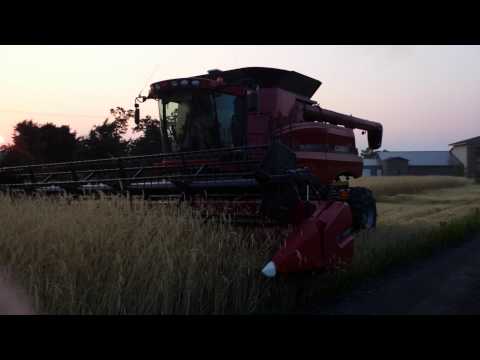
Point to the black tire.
(364, 208)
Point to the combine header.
(249, 142)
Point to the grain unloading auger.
(249, 142)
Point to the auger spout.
(374, 129)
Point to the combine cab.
(249, 142)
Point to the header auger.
(249, 142)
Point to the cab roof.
(269, 78)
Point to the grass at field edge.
(318, 289)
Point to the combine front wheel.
(364, 208)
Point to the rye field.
(113, 256)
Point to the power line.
(51, 113)
(71, 114)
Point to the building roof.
(370, 162)
(463, 142)
(397, 158)
(421, 158)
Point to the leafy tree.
(40, 143)
(34, 143)
(58, 143)
(151, 139)
(107, 140)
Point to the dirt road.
(446, 283)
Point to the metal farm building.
(413, 163)
(468, 153)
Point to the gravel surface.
(446, 283)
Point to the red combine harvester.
(248, 142)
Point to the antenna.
(148, 79)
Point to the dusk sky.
(425, 96)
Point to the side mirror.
(252, 101)
(137, 114)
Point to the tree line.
(40, 143)
(34, 143)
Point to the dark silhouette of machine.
(248, 142)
